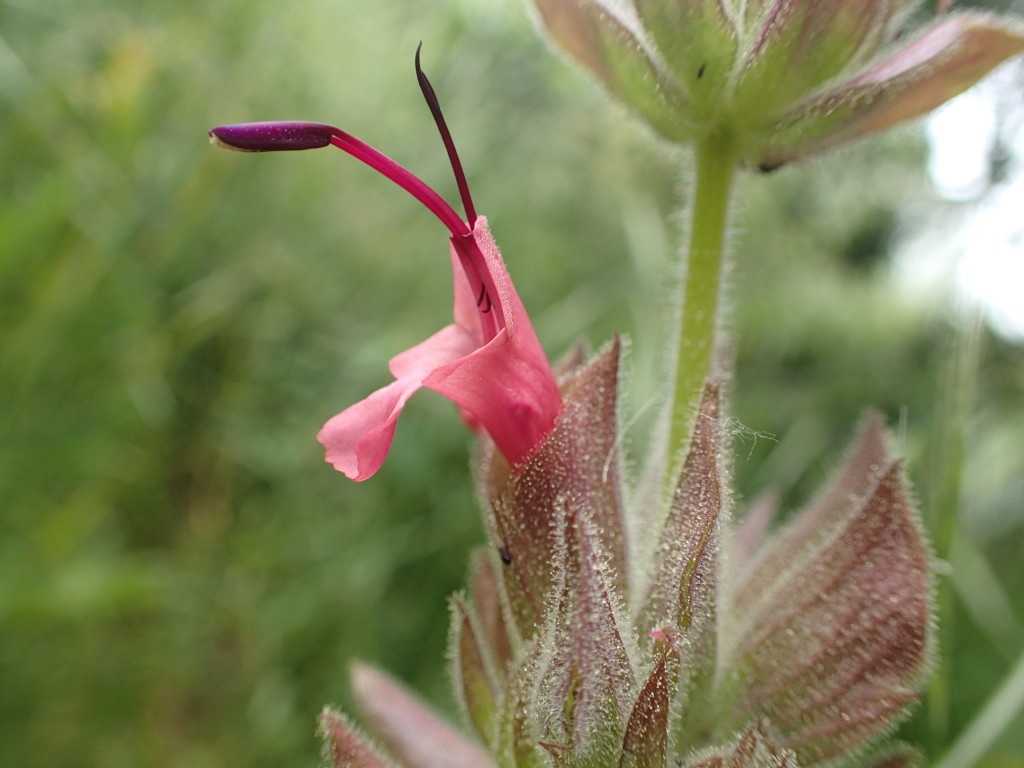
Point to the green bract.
(781, 79)
(609, 627)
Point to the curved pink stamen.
(406, 180)
(293, 135)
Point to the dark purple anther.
(272, 137)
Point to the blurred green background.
(182, 578)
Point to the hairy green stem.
(955, 403)
(716, 161)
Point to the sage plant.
(610, 624)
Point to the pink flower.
(488, 361)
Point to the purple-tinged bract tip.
(272, 137)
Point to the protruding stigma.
(435, 109)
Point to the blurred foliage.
(182, 580)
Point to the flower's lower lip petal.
(446, 346)
(502, 387)
(357, 439)
(505, 386)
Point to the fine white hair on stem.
(734, 429)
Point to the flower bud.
(702, 60)
(779, 79)
(798, 46)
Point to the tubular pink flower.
(489, 361)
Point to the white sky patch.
(980, 248)
(960, 136)
(991, 267)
